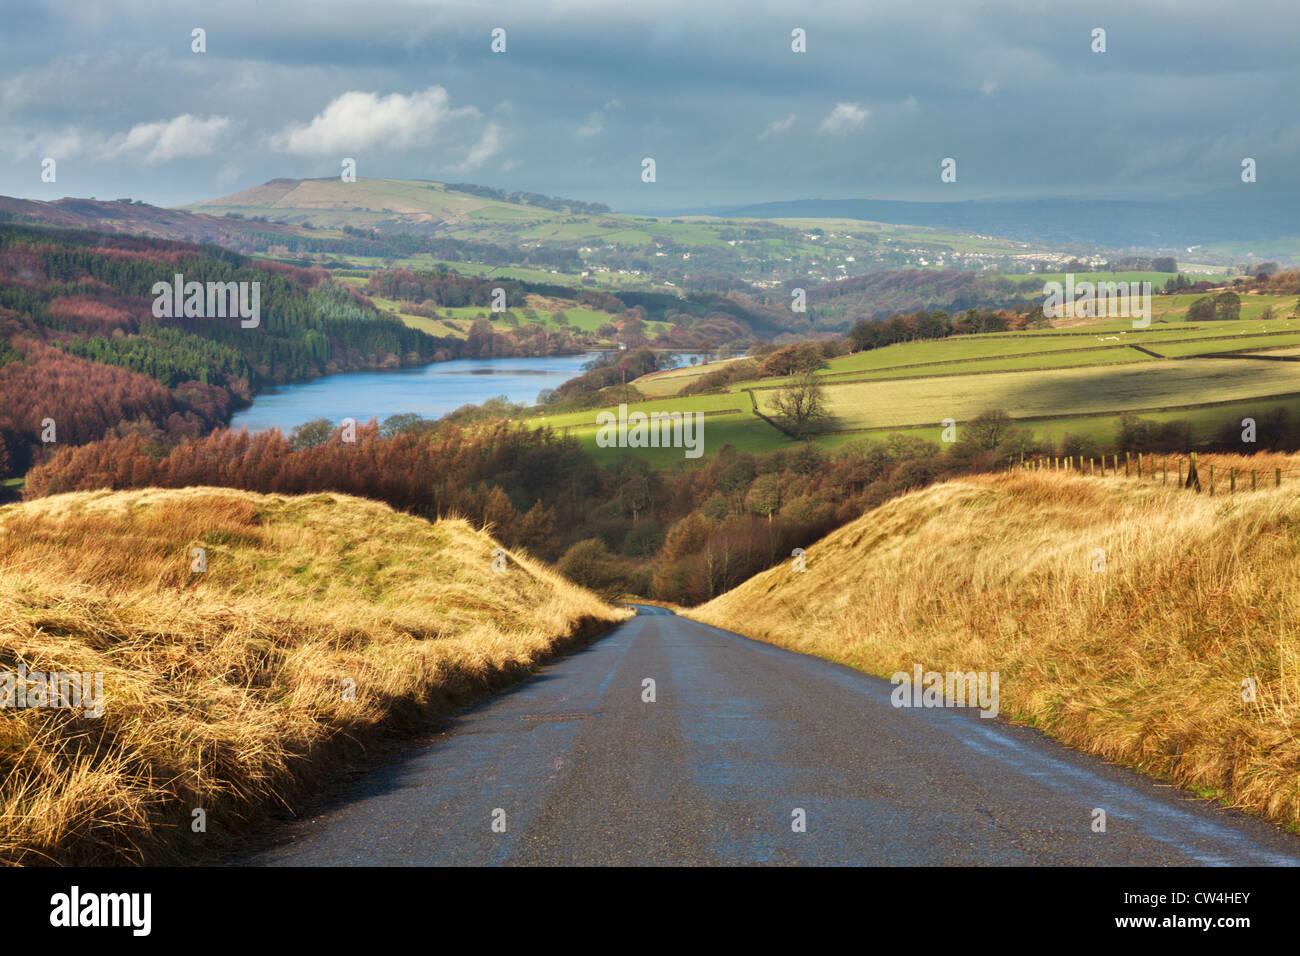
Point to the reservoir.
(428, 390)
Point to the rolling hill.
(1124, 616)
(616, 248)
(317, 625)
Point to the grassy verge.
(320, 625)
(1142, 663)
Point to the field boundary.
(1057, 417)
(1072, 351)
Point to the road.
(574, 767)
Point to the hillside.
(227, 689)
(391, 203)
(80, 344)
(129, 217)
(473, 225)
(1066, 385)
(1142, 662)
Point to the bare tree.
(801, 405)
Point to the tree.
(764, 496)
(988, 430)
(988, 439)
(1202, 310)
(400, 424)
(312, 434)
(1082, 446)
(802, 405)
(1227, 305)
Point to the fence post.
(1232, 481)
(1115, 469)
(1277, 477)
(1091, 469)
(1253, 485)
(1211, 481)
(1126, 461)
(1164, 470)
(1139, 464)
(1180, 471)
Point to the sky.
(114, 93)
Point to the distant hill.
(389, 205)
(1223, 216)
(135, 218)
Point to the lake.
(428, 390)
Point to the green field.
(1149, 384)
(1060, 381)
(455, 322)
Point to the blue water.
(430, 390)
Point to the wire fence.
(1183, 471)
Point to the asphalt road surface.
(574, 767)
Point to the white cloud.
(844, 118)
(596, 119)
(989, 87)
(488, 145)
(66, 143)
(356, 121)
(60, 145)
(181, 137)
(777, 126)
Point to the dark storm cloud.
(712, 91)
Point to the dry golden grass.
(1264, 463)
(224, 690)
(1142, 663)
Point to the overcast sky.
(712, 91)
